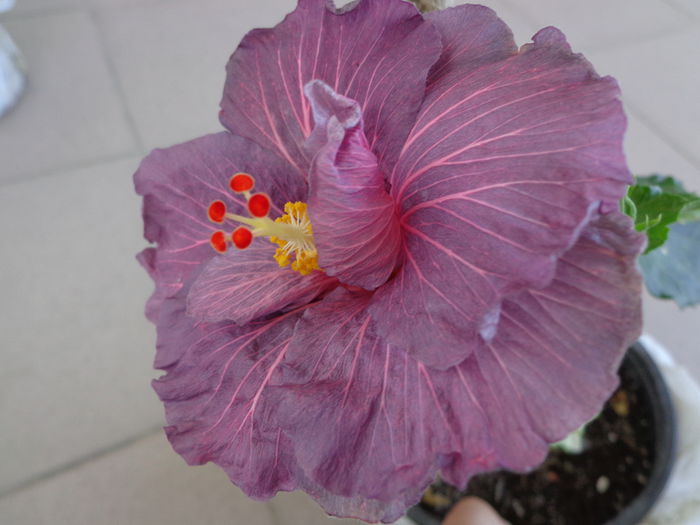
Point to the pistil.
(292, 232)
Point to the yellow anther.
(305, 263)
(281, 257)
(302, 245)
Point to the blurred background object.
(12, 68)
(430, 5)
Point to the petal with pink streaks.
(218, 398)
(355, 225)
(376, 52)
(369, 420)
(499, 175)
(248, 284)
(179, 183)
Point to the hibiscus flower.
(403, 256)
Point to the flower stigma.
(292, 232)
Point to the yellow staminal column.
(306, 257)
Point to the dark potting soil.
(573, 489)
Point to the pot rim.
(665, 435)
(665, 441)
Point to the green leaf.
(690, 212)
(655, 202)
(665, 183)
(673, 271)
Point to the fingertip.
(473, 511)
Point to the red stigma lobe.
(217, 211)
(259, 205)
(218, 241)
(241, 237)
(241, 182)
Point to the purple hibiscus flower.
(403, 256)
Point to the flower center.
(292, 232)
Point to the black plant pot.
(639, 371)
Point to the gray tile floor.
(111, 79)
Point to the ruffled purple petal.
(218, 398)
(222, 404)
(179, 183)
(377, 52)
(356, 229)
(364, 416)
(243, 285)
(472, 36)
(553, 361)
(369, 420)
(499, 175)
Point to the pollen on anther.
(241, 237)
(218, 241)
(259, 205)
(217, 211)
(242, 182)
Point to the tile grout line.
(272, 511)
(661, 134)
(114, 74)
(687, 27)
(66, 169)
(12, 15)
(138, 146)
(67, 467)
(680, 9)
(517, 9)
(276, 518)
